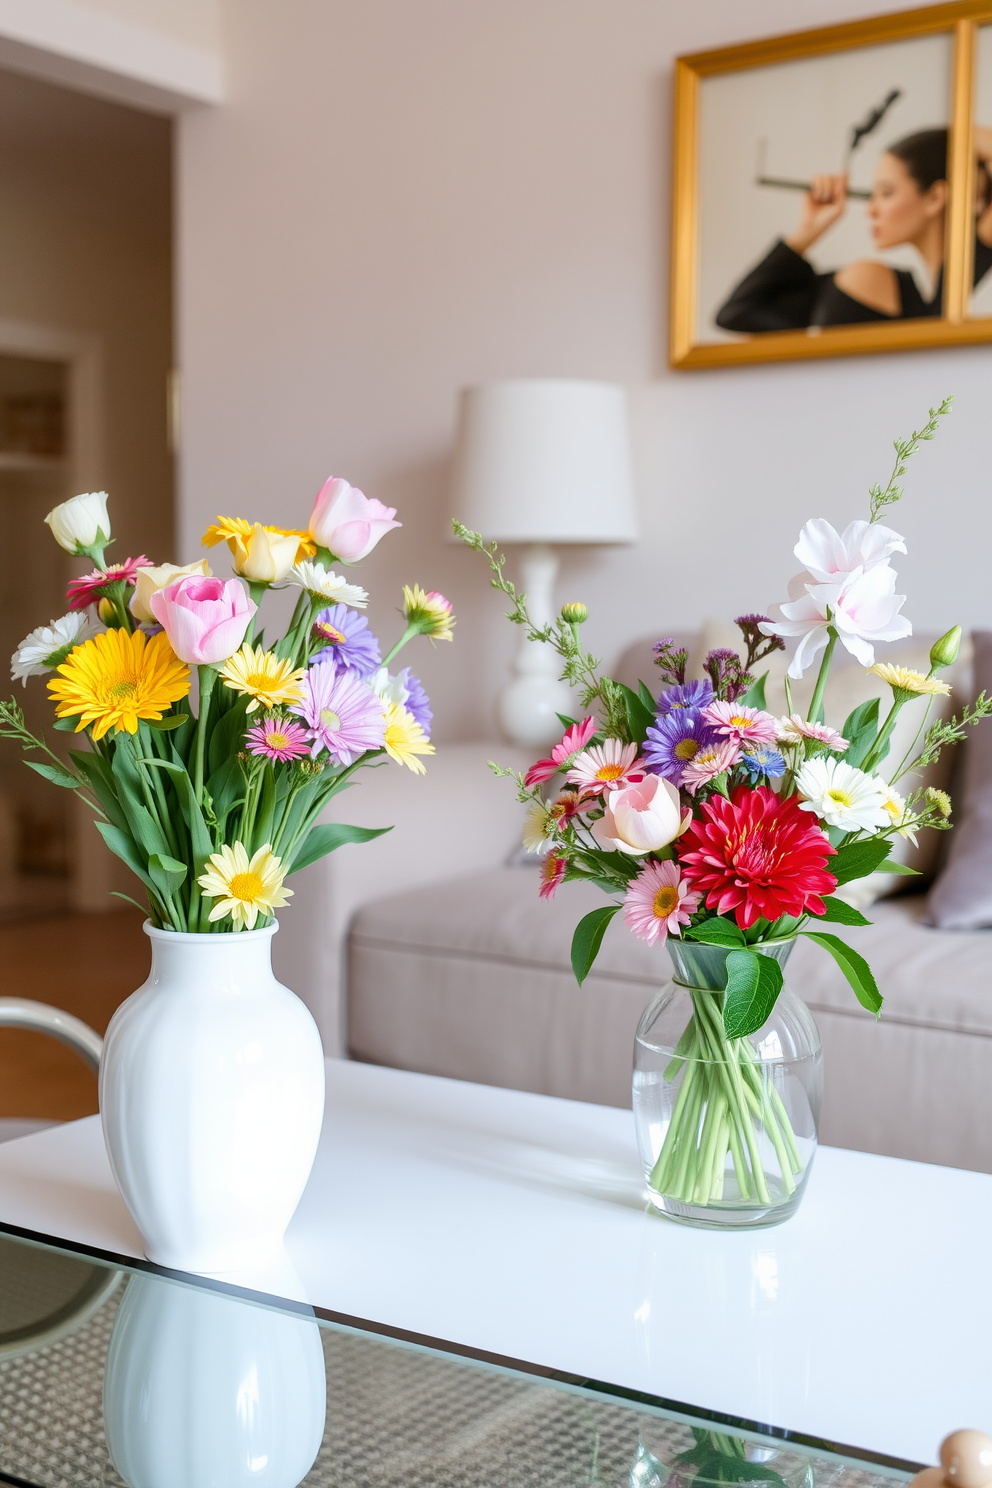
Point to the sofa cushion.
(961, 899)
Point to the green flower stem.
(407, 635)
(257, 593)
(821, 680)
(874, 754)
(907, 762)
(208, 677)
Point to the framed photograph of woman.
(833, 191)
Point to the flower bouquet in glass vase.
(212, 1077)
(727, 834)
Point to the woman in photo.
(908, 204)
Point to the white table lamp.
(543, 462)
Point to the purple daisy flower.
(675, 741)
(344, 715)
(416, 700)
(691, 695)
(348, 643)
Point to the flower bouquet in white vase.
(212, 1078)
(727, 834)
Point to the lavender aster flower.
(691, 695)
(349, 645)
(675, 741)
(761, 760)
(405, 690)
(344, 715)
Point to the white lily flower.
(316, 579)
(842, 796)
(48, 646)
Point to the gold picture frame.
(959, 21)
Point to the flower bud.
(82, 523)
(939, 800)
(575, 613)
(944, 652)
(106, 611)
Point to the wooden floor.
(85, 964)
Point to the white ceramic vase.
(205, 1391)
(212, 1096)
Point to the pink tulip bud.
(348, 523)
(205, 619)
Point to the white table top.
(517, 1224)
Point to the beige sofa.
(449, 963)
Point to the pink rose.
(205, 619)
(641, 818)
(348, 523)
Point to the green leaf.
(167, 874)
(639, 717)
(858, 859)
(319, 841)
(841, 913)
(227, 732)
(566, 722)
(55, 775)
(124, 847)
(860, 730)
(854, 967)
(165, 725)
(755, 695)
(891, 866)
(753, 984)
(647, 697)
(588, 938)
(65, 725)
(716, 932)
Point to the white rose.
(81, 523)
(149, 580)
(641, 818)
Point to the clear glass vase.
(726, 1127)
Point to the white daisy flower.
(48, 646)
(388, 687)
(842, 796)
(315, 578)
(539, 828)
(895, 806)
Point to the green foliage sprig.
(905, 449)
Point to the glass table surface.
(112, 1375)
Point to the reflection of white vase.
(205, 1391)
(212, 1095)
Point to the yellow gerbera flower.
(236, 531)
(429, 612)
(245, 889)
(261, 676)
(114, 679)
(405, 739)
(905, 680)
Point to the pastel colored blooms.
(348, 523)
(428, 612)
(798, 730)
(404, 688)
(760, 760)
(539, 828)
(404, 740)
(266, 680)
(847, 584)
(740, 723)
(48, 646)
(246, 888)
(605, 767)
(115, 679)
(205, 618)
(278, 739)
(757, 857)
(907, 683)
(718, 758)
(552, 874)
(640, 818)
(150, 578)
(262, 554)
(689, 695)
(659, 902)
(347, 644)
(897, 809)
(344, 715)
(93, 586)
(575, 739)
(674, 742)
(81, 523)
(325, 584)
(842, 796)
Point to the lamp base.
(527, 708)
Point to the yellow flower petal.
(115, 679)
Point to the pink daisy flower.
(278, 739)
(796, 730)
(742, 724)
(576, 738)
(344, 715)
(711, 761)
(552, 873)
(607, 766)
(92, 586)
(659, 902)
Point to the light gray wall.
(401, 198)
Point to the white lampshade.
(542, 461)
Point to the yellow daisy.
(114, 679)
(905, 680)
(261, 676)
(245, 889)
(429, 612)
(405, 739)
(236, 530)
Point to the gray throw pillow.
(961, 899)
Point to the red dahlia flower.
(757, 855)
